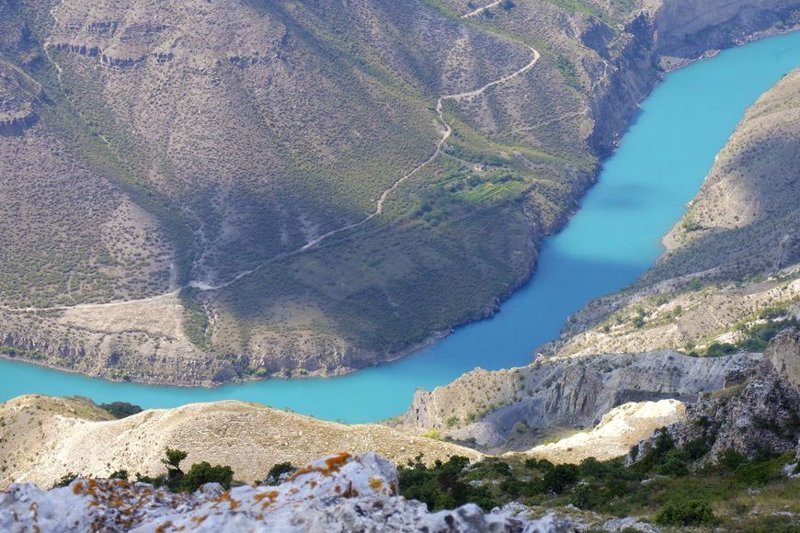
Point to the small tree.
(173, 464)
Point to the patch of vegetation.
(120, 410)
(665, 486)
(755, 337)
(195, 319)
(279, 472)
(65, 480)
(11, 351)
(176, 480)
(691, 513)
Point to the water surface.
(613, 238)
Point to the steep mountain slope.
(206, 191)
(42, 439)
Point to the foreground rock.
(42, 438)
(339, 493)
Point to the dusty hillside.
(308, 173)
(620, 429)
(43, 438)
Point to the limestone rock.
(784, 355)
(513, 409)
(620, 428)
(338, 493)
(760, 415)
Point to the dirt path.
(480, 10)
(447, 131)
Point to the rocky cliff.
(517, 408)
(758, 416)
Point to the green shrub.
(560, 478)
(675, 464)
(203, 473)
(119, 474)
(443, 485)
(65, 480)
(121, 409)
(689, 513)
(279, 472)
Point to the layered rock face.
(760, 415)
(16, 100)
(515, 408)
(338, 493)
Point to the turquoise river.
(614, 237)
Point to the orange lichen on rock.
(270, 496)
(226, 497)
(332, 465)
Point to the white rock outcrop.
(338, 493)
(620, 428)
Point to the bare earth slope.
(43, 438)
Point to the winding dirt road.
(446, 132)
(481, 10)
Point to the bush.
(675, 464)
(560, 478)
(717, 349)
(121, 409)
(689, 513)
(279, 472)
(203, 473)
(65, 480)
(119, 474)
(443, 486)
(731, 459)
